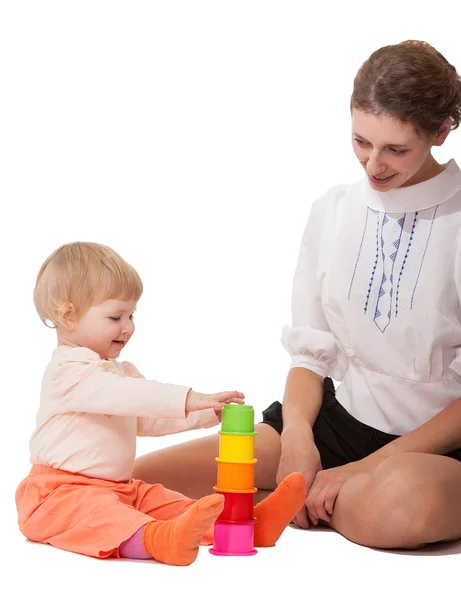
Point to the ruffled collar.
(421, 196)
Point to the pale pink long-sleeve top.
(91, 411)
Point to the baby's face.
(106, 328)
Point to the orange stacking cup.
(235, 475)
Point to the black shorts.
(339, 437)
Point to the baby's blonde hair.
(84, 274)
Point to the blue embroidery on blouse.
(383, 310)
(423, 257)
(360, 252)
(374, 266)
(404, 262)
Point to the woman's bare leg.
(410, 500)
(191, 468)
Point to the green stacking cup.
(238, 418)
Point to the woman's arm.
(439, 435)
(313, 351)
(302, 399)
(298, 453)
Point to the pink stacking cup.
(233, 538)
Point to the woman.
(376, 306)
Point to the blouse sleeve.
(309, 340)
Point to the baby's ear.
(66, 315)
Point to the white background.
(192, 137)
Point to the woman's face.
(391, 152)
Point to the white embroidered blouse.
(376, 299)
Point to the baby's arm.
(149, 427)
(196, 420)
(96, 387)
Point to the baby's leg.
(96, 517)
(174, 537)
(177, 541)
(74, 513)
(275, 512)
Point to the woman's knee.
(409, 478)
(406, 494)
(425, 488)
(392, 508)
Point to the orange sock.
(176, 542)
(276, 511)
(208, 538)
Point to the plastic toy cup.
(238, 418)
(248, 491)
(237, 507)
(235, 475)
(233, 539)
(236, 446)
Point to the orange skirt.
(87, 515)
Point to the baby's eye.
(114, 318)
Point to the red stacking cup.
(237, 507)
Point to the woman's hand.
(322, 495)
(299, 454)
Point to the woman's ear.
(442, 133)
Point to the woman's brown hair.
(411, 81)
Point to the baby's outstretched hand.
(196, 401)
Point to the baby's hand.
(196, 401)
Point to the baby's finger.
(228, 396)
(234, 401)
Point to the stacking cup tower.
(234, 528)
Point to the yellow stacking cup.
(234, 446)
